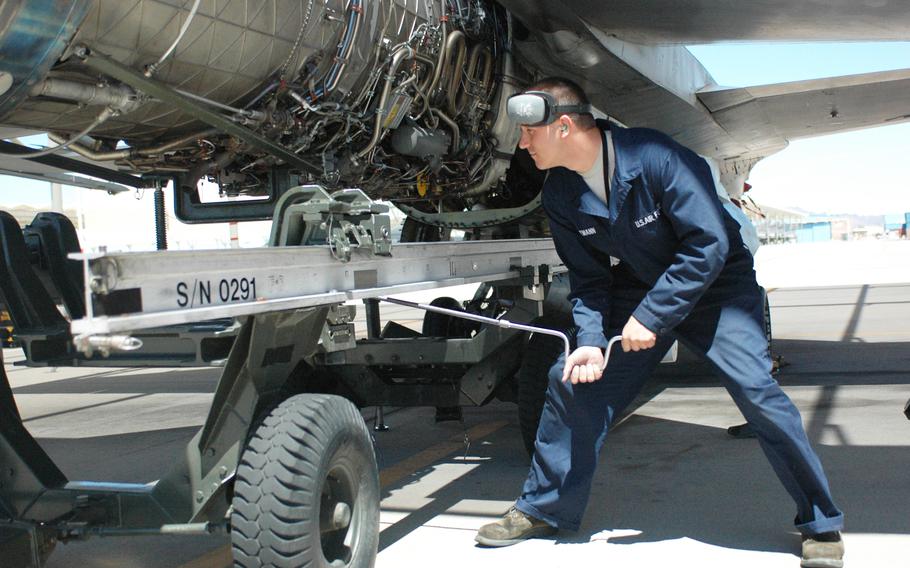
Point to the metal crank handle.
(483, 319)
(502, 323)
(609, 348)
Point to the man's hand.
(584, 365)
(636, 337)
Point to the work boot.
(823, 550)
(741, 431)
(512, 528)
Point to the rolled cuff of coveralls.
(591, 339)
(650, 320)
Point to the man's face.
(542, 143)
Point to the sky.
(863, 172)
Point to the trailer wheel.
(436, 324)
(533, 378)
(307, 489)
(413, 231)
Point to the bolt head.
(341, 516)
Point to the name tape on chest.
(649, 218)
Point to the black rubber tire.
(436, 324)
(541, 352)
(311, 453)
(413, 231)
(443, 325)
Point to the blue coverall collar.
(619, 186)
(592, 205)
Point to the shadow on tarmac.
(665, 479)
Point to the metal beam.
(67, 179)
(141, 290)
(167, 94)
(70, 165)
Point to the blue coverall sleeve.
(690, 205)
(589, 280)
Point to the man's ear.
(564, 123)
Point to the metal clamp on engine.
(345, 220)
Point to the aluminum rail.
(143, 290)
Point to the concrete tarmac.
(672, 488)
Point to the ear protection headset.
(539, 108)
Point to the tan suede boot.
(513, 528)
(825, 550)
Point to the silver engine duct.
(328, 80)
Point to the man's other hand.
(584, 365)
(636, 337)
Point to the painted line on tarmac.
(86, 407)
(435, 453)
(221, 556)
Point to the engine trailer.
(284, 461)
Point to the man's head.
(553, 112)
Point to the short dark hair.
(567, 92)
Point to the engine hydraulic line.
(150, 70)
(105, 114)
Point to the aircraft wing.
(629, 55)
(769, 115)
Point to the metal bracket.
(363, 223)
(533, 280)
(338, 331)
(345, 220)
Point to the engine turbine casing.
(226, 55)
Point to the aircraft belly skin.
(333, 81)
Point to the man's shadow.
(665, 480)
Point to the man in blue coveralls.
(653, 256)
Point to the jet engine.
(401, 98)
